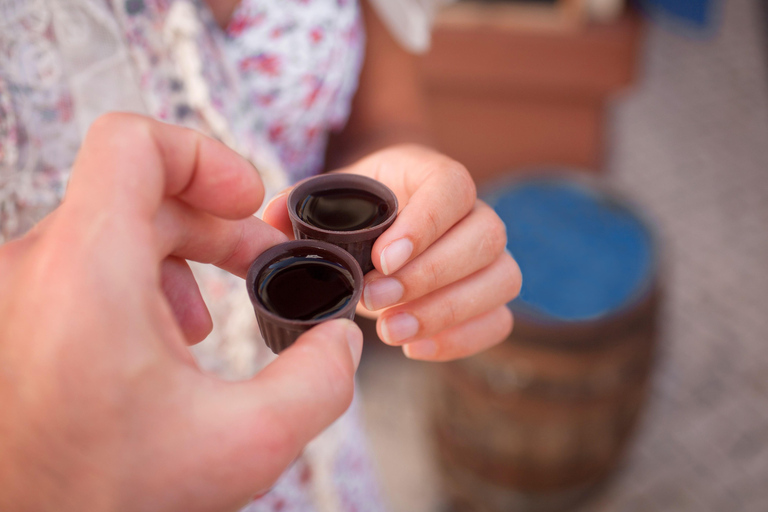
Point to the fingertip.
(276, 205)
(223, 182)
(337, 330)
(276, 214)
(510, 321)
(195, 333)
(422, 350)
(187, 304)
(274, 235)
(395, 329)
(355, 342)
(517, 274)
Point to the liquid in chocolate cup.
(357, 242)
(304, 290)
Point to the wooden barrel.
(536, 423)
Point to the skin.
(388, 107)
(451, 290)
(103, 408)
(458, 278)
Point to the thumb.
(312, 382)
(269, 419)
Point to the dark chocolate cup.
(358, 243)
(278, 332)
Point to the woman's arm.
(222, 10)
(442, 278)
(388, 107)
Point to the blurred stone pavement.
(690, 144)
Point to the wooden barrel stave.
(538, 422)
(532, 420)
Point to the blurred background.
(649, 396)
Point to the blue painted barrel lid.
(583, 254)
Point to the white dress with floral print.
(272, 86)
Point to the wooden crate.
(525, 15)
(503, 96)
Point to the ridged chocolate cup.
(279, 333)
(358, 243)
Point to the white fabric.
(409, 21)
(272, 87)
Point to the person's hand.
(442, 275)
(101, 405)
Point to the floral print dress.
(272, 86)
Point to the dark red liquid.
(305, 288)
(343, 209)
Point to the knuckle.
(495, 232)
(282, 439)
(432, 275)
(460, 181)
(236, 245)
(432, 219)
(451, 313)
(506, 322)
(335, 383)
(114, 121)
(450, 349)
(511, 277)
(338, 373)
(463, 182)
(441, 354)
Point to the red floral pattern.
(298, 59)
(282, 76)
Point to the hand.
(103, 408)
(442, 276)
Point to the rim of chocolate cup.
(304, 248)
(335, 181)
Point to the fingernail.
(395, 255)
(422, 349)
(382, 293)
(399, 327)
(355, 342)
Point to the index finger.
(129, 163)
(436, 192)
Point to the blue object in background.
(697, 14)
(582, 254)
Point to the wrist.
(348, 148)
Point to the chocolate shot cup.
(296, 285)
(346, 210)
